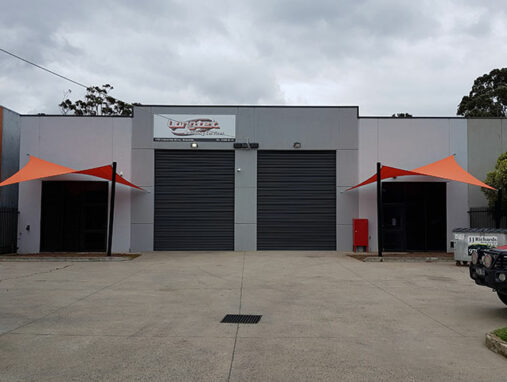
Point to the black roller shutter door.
(194, 200)
(296, 200)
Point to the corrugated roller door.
(296, 200)
(194, 200)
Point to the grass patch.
(502, 333)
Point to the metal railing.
(8, 230)
(484, 217)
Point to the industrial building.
(242, 178)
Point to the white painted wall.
(79, 143)
(408, 143)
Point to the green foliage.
(502, 333)
(402, 115)
(97, 101)
(488, 97)
(497, 179)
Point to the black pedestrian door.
(194, 200)
(74, 216)
(414, 216)
(296, 200)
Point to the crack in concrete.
(239, 312)
(213, 275)
(37, 273)
(72, 303)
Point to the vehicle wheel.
(502, 296)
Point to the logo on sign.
(174, 127)
(491, 241)
(193, 126)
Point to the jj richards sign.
(491, 241)
(192, 127)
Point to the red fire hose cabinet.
(360, 228)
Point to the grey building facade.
(78, 143)
(275, 129)
(409, 143)
(487, 140)
(277, 183)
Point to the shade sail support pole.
(111, 211)
(498, 209)
(380, 218)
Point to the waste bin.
(468, 240)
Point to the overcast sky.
(383, 56)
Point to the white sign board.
(193, 127)
(459, 236)
(492, 241)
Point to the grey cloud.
(385, 18)
(386, 56)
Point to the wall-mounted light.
(297, 145)
(194, 145)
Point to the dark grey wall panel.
(194, 200)
(296, 200)
(9, 162)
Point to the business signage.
(192, 127)
(491, 241)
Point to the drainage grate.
(241, 319)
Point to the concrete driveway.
(326, 317)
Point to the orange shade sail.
(106, 172)
(37, 168)
(446, 168)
